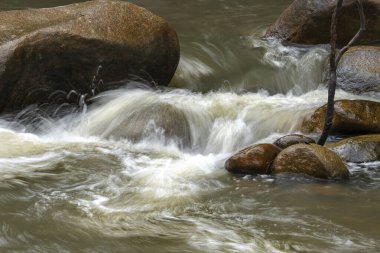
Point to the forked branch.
(334, 61)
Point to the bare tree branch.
(357, 35)
(334, 63)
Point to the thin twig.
(357, 35)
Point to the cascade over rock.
(157, 120)
(43, 51)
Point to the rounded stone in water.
(312, 160)
(358, 149)
(254, 159)
(359, 70)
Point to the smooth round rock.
(312, 160)
(292, 139)
(46, 53)
(254, 159)
(350, 117)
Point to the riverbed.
(66, 187)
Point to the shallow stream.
(67, 188)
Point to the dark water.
(70, 189)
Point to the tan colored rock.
(359, 70)
(308, 22)
(364, 148)
(312, 160)
(59, 49)
(350, 117)
(292, 139)
(254, 159)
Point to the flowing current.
(68, 185)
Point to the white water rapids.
(67, 185)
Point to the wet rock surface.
(312, 160)
(292, 139)
(359, 70)
(350, 117)
(254, 159)
(43, 51)
(358, 149)
(308, 22)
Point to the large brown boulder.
(292, 139)
(43, 51)
(254, 159)
(350, 117)
(359, 69)
(308, 22)
(312, 160)
(364, 148)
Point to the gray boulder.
(359, 70)
(364, 148)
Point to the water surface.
(66, 187)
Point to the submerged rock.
(350, 117)
(43, 51)
(312, 160)
(359, 70)
(365, 148)
(292, 139)
(159, 120)
(254, 159)
(308, 22)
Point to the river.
(66, 187)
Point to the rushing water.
(67, 187)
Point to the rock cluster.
(308, 22)
(298, 155)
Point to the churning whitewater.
(97, 181)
